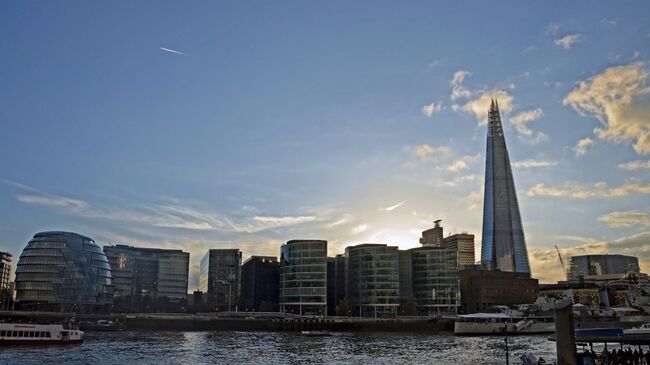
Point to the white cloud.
(461, 164)
(480, 106)
(53, 201)
(625, 219)
(598, 190)
(620, 99)
(531, 164)
(520, 120)
(427, 152)
(582, 146)
(166, 215)
(568, 41)
(608, 22)
(635, 165)
(433, 108)
(393, 207)
(171, 51)
(552, 29)
(360, 228)
(458, 89)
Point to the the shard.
(504, 245)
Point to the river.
(235, 348)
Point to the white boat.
(18, 334)
(500, 323)
(644, 329)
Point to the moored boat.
(499, 323)
(19, 334)
(644, 329)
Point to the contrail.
(171, 50)
(393, 207)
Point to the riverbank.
(245, 322)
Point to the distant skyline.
(222, 125)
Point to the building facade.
(463, 243)
(405, 274)
(63, 271)
(303, 277)
(483, 289)
(435, 280)
(432, 237)
(260, 278)
(335, 284)
(5, 270)
(597, 265)
(504, 245)
(152, 272)
(372, 282)
(220, 278)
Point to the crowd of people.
(619, 357)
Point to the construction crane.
(561, 262)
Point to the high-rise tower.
(504, 246)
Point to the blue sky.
(211, 124)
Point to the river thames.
(234, 348)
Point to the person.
(635, 356)
(647, 357)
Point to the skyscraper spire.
(504, 245)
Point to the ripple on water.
(236, 348)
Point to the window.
(31, 333)
(48, 335)
(14, 334)
(2, 333)
(20, 333)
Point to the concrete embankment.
(243, 322)
(203, 323)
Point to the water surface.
(235, 348)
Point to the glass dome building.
(63, 271)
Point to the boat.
(500, 323)
(19, 334)
(644, 329)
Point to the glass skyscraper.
(303, 277)
(153, 272)
(504, 246)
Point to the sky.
(246, 124)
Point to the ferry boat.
(18, 334)
(500, 323)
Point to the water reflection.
(234, 348)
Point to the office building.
(260, 279)
(432, 237)
(602, 265)
(483, 289)
(335, 283)
(303, 277)
(463, 243)
(5, 270)
(152, 272)
(504, 245)
(63, 271)
(220, 278)
(372, 283)
(435, 280)
(405, 274)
